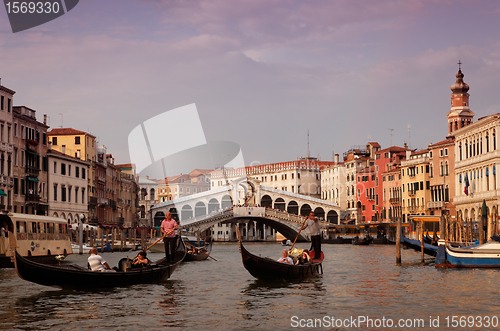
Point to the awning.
(34, 179)
(2, 194)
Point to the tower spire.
(459, 115)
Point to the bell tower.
(459, 115)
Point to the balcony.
(5, 147)
(32, 170)
(93, 201)
(412, 193)
(33, 198)
(103, 202)
(395, 201)
(436, 204)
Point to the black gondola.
(75, 276)
(266, 268)
(203, 252)
(362, 241)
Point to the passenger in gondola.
(285, 258)
(304, 258)
(97, 263)
(140, 260)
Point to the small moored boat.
(475, 256)
(416, 245)
(266, 268)
(75, 276)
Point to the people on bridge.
(168, 228)
(312, 223)
(285, 258)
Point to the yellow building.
(415, 183)
(81, 145)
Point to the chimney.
(406, 145)
(64, 149)
(336, 159)
(45, 119)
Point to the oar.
(298, 234)
(202, 252)
(169, 232)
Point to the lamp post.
(80, 233)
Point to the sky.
(262, 73)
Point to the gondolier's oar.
(298, 233)
(169, 232)
(200, 252)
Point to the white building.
(67, 186)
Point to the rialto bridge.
(258, 210)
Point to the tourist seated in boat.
(285, 258)
(97, 263)
(304, 258)
(140, 260)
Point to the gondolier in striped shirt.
(312, 222)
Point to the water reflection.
(222, 295)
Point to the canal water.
(360, 284)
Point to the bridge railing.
(207, 217)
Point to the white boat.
(39, 238)
(76, 248)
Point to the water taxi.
(40, 238)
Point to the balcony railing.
(435, 204)
(32, 198)
(412, 193)
(395, 201)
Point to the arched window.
(494, 141)
(487, 143)
(460, 151)
(466, 150)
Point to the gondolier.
(312, 223)
(168, 227)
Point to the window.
(63, 169)
(77, 140)
(63, 193)
(9, 104)
(55, 192)
(440, 152)
(54, 141)
(83, 195)
(2, 101)
(83, 173)
(44, 138)
(446, 152)
(69, 194)
(69, 170)
(16, 186)
(77, 172)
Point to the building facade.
(67, 189)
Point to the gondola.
(416, 245)
(203, 252)
(266, 268)
(75, 276)
(362, 241)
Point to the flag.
(466, 181)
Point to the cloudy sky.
(261, 72)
